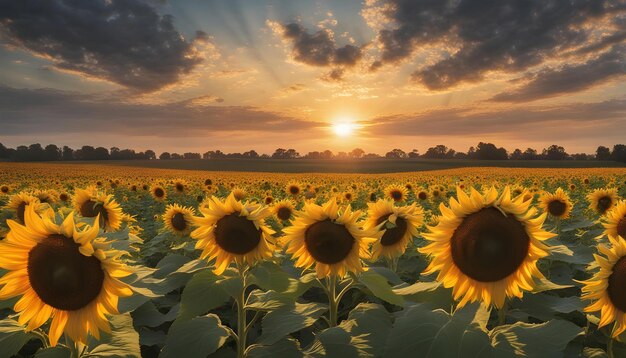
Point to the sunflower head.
(293, 189)
(238, 193)
(4, 189)
(329, 237)
(90, 203)
(606, 289)
(180, 186)
(63, 273)
(158, 192)
(233, 231)
(396, 192)
(486, 246)
(615, 221)
(422, 195)
(18, 203)
(602, 200)
(557, 205)
(178, 219)
(397, 225)
(284, 209)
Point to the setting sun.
(343, 129)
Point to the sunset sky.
(184, 75)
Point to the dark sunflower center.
(178, 222)
(327, 242)
(294, 190)
(63, 277)
(396, 195)
(617, 285)
(393, 235)
(556, 208)
(4, 189)
(63, 197)
(180, 187)
(91, 209)
(20, 211)
(236, 234)
(422, 195)
(283, 213)
(159, 193)
(604, 204)
(621, 228)
(488, 246)
(372, 196)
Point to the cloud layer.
(125, 42)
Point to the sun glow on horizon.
(344, 129)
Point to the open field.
(348, 166)
(308, 264)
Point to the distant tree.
(68, 153)
(357, 153)
(165, 156)
(101, 153)
(341, 155)
(489, 151)
(4, 152)
(581, 156)
(439, 152)
(150, 154)
(327, 154)
(619, 153)
(396, 154)
(251, 154)
(554, 152)
(516, 155)
(530, 154)
(279, 153)
(460, 155)
(414, 154)
(603, 153)
(312, 155)
(52, 152)
(371, 156)
(192, 156)
(176, 156)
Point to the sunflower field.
(106, 261)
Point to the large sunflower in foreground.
(607, 287)
(486, 246)
(557, 205)
(329, 237)
(18, 203)
(615, 221)
(233, 231)
(178, 219)
(61, 273)
(602, 200)
(398, 224)
(90, 203)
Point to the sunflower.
(396, 192)
(602, 200)
(606, 287)
(4, 189)
(486, 246)
(293, 189)
(398, 224)
(239, 193)
(158, 192)
(231, 230)
(422, 195)
(615, 220)
(90, 203)
(18, 203)
(329, 237)
(178, 219)
(61, 273)
(283, 209)
(50, 196)
(558, 205)
(180, 186)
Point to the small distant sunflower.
(607, 287)
(396, 192)
(602, 200)
(233, 231)
(347, 196)
(158, 192)
(615, 220)
(47, 196)
(239, 193)
(178, 219)
(422, 195)
(558, 205)
(284, 209)
(268, 200)
(293, 189)
(90, 203)
(486, 246)
(398, 224)
(18, 203)
(329, 237)
(372, 196)
(4, 189)
(180, 186)
(62, 273)
(64, 197)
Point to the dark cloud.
(488, 35)
(126, 42)
(319, 49)
(569, 78)
(49, 111)
(588, 120)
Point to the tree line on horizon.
(483, 151)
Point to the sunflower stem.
(333, 302)
(502, 313)
(241, 314)
(609, 347)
